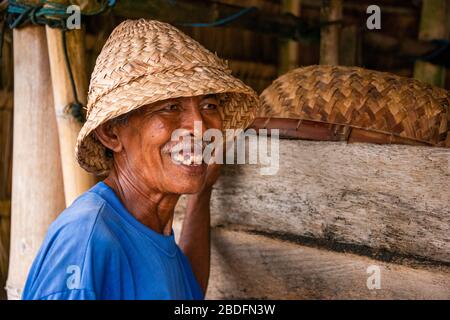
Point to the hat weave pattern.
(145, 61)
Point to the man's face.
(146, 143)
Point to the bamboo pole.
(289, 50)
(6, 116)
(350, 46)
(330, 11)
(433, 25)
(76, 180)
(5, 182)
(37, 186)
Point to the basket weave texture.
(145, 61)
(370, 100)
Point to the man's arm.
(195, 235)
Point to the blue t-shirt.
(97, 250)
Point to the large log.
(37, 187)
(246, 266)
(381, 200)
(76, 180)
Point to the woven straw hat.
(403, 109)
(145, 61)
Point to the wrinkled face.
(142, 144)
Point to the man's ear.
(109, 137)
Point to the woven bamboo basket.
(356, 105)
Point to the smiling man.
(116, 240)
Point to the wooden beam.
(37, 195)
(331, 11)
(433, 25)
(76, 180)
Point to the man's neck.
(153, 209)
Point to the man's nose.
(193, 120)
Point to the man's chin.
(188, 179)
(190, 187)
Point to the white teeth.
(198, 159)
(188, 159)
(178, 158)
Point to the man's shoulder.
(86, 214)
(77, 242)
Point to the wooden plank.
(433, 25)
(37, 190)
(383, 200)
(246, 266)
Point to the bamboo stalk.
(289, 50)
(330, 11)
(350, 46)
(5, 182)
(6, 124)
(76, 180)
(37, 188)
(433, 25)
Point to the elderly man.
(116, 240)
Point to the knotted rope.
(50, 14)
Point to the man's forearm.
(195, 235)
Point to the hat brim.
(238, 104)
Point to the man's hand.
(212, 175)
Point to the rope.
(440, 55)
(53, 15)
(222, 21)
(76, 107)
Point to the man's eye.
(172, 107)
(209, 106)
